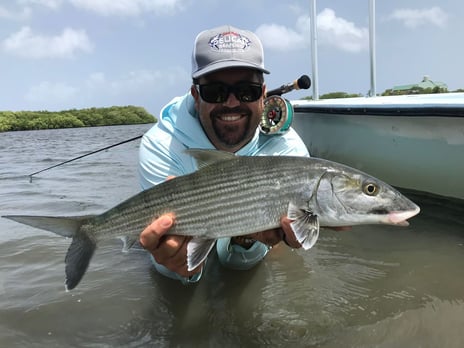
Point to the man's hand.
(284, 233)
(275, 236)
(168, 250)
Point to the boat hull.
(416, 147)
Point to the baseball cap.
(226, 47)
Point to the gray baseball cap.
(226, 47)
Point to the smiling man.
(222, 111)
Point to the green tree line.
(334, 95)
(91, 117)
(414, 90)
(417, 90)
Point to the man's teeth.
(230, 118)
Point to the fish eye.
(370, 189)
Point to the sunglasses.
(218, 92)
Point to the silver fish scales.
(231, 195)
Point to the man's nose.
(231, 101)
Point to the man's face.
(230, 124)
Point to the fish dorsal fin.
(305, 225)
(205, 157)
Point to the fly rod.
(85, 155)
(303, 82)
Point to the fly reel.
(277, 115)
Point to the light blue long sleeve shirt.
(162, 154)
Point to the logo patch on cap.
(229, 41)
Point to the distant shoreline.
(74, 118)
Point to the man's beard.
(232, 134)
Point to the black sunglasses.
(218, 92)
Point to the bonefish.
(235, 195)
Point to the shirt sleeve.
(161, 156)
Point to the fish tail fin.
(64, 226)
(83, 243)
(78, 258)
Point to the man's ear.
(194, 92)
(196, 96)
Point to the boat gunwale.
(369, 110)
(423, 105)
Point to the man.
(223, 112)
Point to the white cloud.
(128, 7)
(25, 8)
(123, 8)
(339, 32)
(134, 87)
(413, 18)
(46, 91)
(331, 30)
(52, 4)
(96, 80)
(279, 37)
(134, 82)
(24, 14)
(27, 44)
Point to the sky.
(71, 54)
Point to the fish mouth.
(400, 218)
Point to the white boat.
(410, 141)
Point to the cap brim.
(227, 65)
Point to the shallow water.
(373, 286)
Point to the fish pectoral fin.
(78, 258)
(197, 251)
(305, 225)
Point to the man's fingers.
(151, 235)
(289, 237)
(174, 248)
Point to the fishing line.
(82, 156)
(303, 82)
